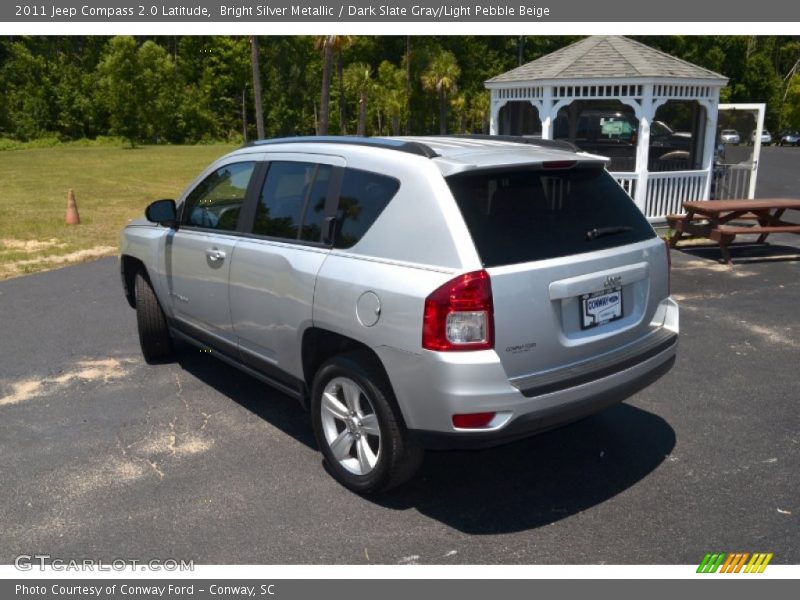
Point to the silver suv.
(411, 293)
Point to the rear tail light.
(473, 420)
(459, 315)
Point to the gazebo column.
(646, 113)
(546, 113)
(710, 141)
(494, 115)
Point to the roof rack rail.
(519, 139)
(357, 140)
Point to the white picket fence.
(627, 181)
(666, 191)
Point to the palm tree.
(458, 104)
(254, 60)
(325, 44)
(407, 60)
(358, 80)
(392, 93)
(441, 77)
(342, 42)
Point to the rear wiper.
(601, 231)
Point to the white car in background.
(729, 136)
(766, 138)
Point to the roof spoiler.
(519, 139)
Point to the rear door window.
(522, 215)
(362, 199)
(292, 201)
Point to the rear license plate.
(601, 307)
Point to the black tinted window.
(363, 197)
(524, 215)
(293, 194)
(217, 200)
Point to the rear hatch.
(577, 272)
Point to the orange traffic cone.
(73, 218)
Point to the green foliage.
(392, 96)
(119, 90)
(197, 89)
(441, 77)
(358, 82)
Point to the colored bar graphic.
(752, 562)
(765, 563)
(711, 562)
(703, 563)
(741, 562)
(720, 558)
(734, 562)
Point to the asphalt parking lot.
(106, 457)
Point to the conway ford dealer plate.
(601, 307)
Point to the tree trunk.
(408, 84)
(254, 60)
(362, 114)
(395, 125)
(442, 113)
(342, 98)
(244, 116)
(325, 97)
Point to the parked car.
(729, 136)
(614, 134)
(411, 293)
(789, 138)
(766, 137)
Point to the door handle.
(215, 255)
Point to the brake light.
(459, 315)
(559, 164)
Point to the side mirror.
(162, 212)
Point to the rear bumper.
(544, 420)
(432, 387)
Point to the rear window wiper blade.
(601, 231)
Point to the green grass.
(112, 185)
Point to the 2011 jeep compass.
(412, 293)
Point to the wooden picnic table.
(711, 219)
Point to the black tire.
(154, 336)
(398, 457)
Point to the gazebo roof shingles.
(606, 57)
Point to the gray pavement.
(104, 456)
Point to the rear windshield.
(521, 215)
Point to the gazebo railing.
(666, 191)
(627, 181)
(731, 182)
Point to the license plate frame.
(605, 309)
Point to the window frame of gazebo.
(657, 194)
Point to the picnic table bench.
(712, 219)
